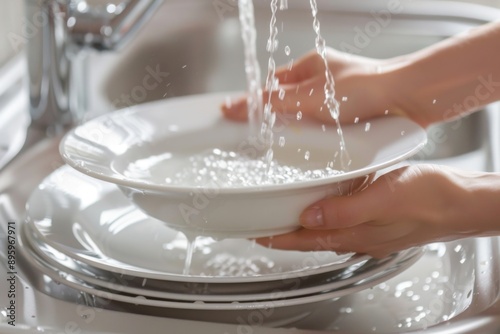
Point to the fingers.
(375, 240)
(307, 98)
(301, 70)
(406, 207)
(340, 212)
(301, 89)
(236, 110)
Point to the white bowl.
(139, 148)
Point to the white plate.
(142, 148)
(274, 302)
(93, 222)
(301, 287)
(105, 147)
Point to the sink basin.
(192, 47)
(203, 52)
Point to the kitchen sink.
(198, 49)
(194, 47)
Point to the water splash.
(191, 245)
(222, 169)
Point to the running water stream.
(330, 101)
(266, 122)
(252, 67)
(272, 84)
(216, 164)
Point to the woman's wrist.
(481, 202)
(449, 79)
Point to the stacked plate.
(85, 234)
(90, 228)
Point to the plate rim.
(121, 180)
(315, 288)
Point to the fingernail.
(233, 109)
(312, 217)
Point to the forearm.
(449, 79)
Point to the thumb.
(347, 211)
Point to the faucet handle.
(55, 70)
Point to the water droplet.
(344, 98)
(367, 126)
(3, 314)
(386, 112)
(356, 120)
(281, 141)
(281, 94)
(311, 92)
(298, 103)
(287, 50)
(434, 101)
(323, 127)
(346, 310)
(299, 115)
(184, 66)
(402, 133)
(307, 155)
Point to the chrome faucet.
(56, 69)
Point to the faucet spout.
(57, 97)
(112, 26)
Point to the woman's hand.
(303, 83)
(413, 205)
(444, 81)
(365, 88)
(407, 207)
